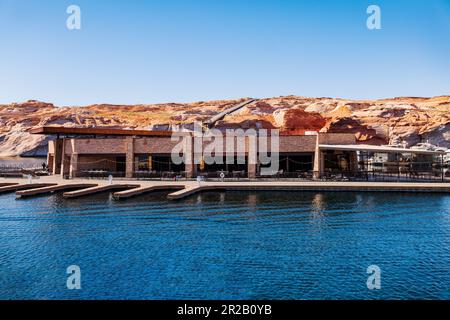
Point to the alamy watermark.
(74, 280)
(374, 279)
(234, 146)
(73, 21)
(374, 20)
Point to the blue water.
(236, 245)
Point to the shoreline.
(127, 188)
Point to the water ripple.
(237, 245)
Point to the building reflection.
(318, 205)
(252, 200)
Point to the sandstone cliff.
(407, 120)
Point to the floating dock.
(50, 189)
(7, 184)
(190, 191)
(313, 186)
(146, 189)
(17, 187)
(98, 189)
(125, 189)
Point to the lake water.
(235, 245)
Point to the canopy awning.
(370, 148)
(60, 130)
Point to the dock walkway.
(312, 186)
(7, 184)
(17, 187)
(124, 189)
(98, 189)
(50, 189)
(146, 189)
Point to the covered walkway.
(380, 163)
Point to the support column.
(318, 161)
(50, 161)
(252, 165)
(50, 156)
(354, 162)
(322, 163)
(73, 165)
(58, 156)
(252, 156)
(65, 161)
(251, 168)
(129, 147)
(188, 153)
(319, 164)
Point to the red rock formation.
(297, 121)
(409, 119)
(363, 133)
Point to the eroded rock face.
(297, 121)
(439, 135)
(398, 120)
(363, 133)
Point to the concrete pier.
(145, 189)
(16, 187)
(190, 191)
(7, 184)
(50, 189)
(312, 186)
(102, 188)
(187, 188)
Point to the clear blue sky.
(180, 50)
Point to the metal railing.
(18, 167)
(374, 176)
(138, 175)
(20, 170)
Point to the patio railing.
(377, 176)
(279, 175)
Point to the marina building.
(100, 152)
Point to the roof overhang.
(370, 148)
(99, 131)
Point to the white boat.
(424, 146)
(447, 157)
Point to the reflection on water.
(235, 245)
(318, 204)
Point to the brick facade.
(70, 155)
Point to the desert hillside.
(407, 120)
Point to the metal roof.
(98, 131)
(370, 148)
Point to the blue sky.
(179, 50)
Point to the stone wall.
(298, 144)
(107, 163)
(95, 146)
(336, 138)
